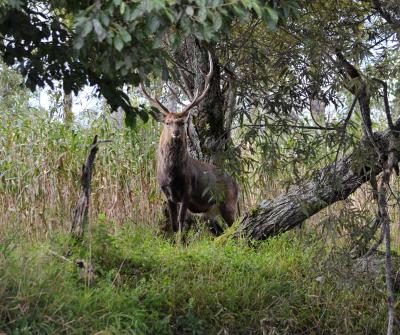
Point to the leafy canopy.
(112, 43)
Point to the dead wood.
(80, 217)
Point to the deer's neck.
(173, 154)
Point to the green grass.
(145, 284)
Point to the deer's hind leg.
(229, 206)
(228, 213)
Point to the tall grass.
(40, 163)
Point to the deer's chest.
(175, 187)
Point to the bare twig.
(376, 245)
(65, 259)
(344, 127)
(379, 7)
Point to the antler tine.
(154, 101)
(198, 98)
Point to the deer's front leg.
(182, 215)
(173, 215)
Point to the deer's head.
(175, 123)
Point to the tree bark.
(80, 217)
(68, 116)
(333, 183)
(207, 134)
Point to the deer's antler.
(154, 101)
(196, 100)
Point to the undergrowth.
(143, 283)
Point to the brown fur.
(190, 184)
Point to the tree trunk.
(333, 183)
(68, 116)
(207, 134)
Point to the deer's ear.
(159, 117)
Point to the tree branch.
(362, 92)
(378, 6)
(80, 218)
(384, 215)
(333, 183)
(386, 103)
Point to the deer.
(187, 183)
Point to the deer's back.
(203, 185)
(209, 186)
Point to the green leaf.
(175, 40)
(87, 28)
(202, 14)
(217, 21)
(144, 115)
(119, 64)
(78, 43)
(117, 2)
(215, 3)
(105, 19)
(185, 24)
(130, 119)
(156, 5)
(136, 13)
(98, 28)
(257, 9)
(273, 14)
(118, 44)
(126, 37)
(153, 24)
(169, 14)
(238, 10)
(122, 8)
(207, 33)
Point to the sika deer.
(190, 184)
